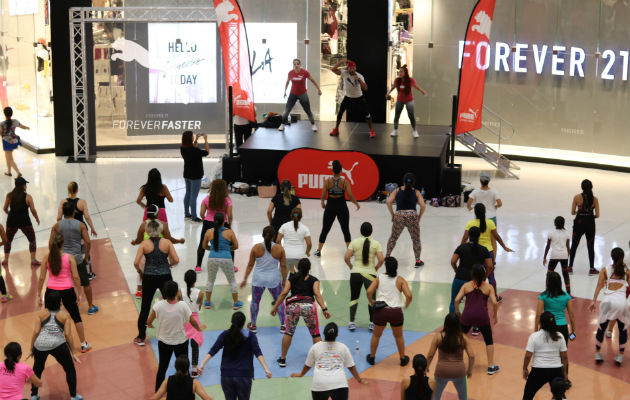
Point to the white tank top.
(388, 292)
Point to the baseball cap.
(351, 64)
(42, 41)
(19, 181)
(484, 176)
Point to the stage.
(394, 156)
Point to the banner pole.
(453, 122)
(230, 122)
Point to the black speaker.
(231, 170)
(452, 179)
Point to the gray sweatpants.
(227, 266)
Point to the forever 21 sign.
(308, 169)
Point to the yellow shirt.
(486, 238)
(357, 246)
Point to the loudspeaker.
(231, 171)
(452, 179)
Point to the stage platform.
(425, 156)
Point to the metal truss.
(79, 17)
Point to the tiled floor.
(117, 369)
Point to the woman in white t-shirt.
(171, 333)
(558, 241)
(297, 239)
(549, 351)
(329, 358)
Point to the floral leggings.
(306, 310)
(402, 219)
(257, 292)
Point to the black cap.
(19, 181)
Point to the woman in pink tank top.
(63, 277)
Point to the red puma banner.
(308, 169)
(235, 52)
(475, 61)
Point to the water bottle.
(356, 346)
(422, 192)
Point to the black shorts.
(83, 273)
(391, 315)
(69, 300)
(355, 103)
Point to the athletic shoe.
(187, 217)
(197, 269)
(138, 294)
(317, 253)
(194, 374)
(138, 341)
(370, 360)
(207, 305)
(5, 262)
(372, 134)
(499, 299)
(404, 361)
(415, 134)
(598, 357)
(334, 132)
(91, 276)
(419, 263)
(475, 331)
(352, 326)
(570, 270)
(282, 362)
(85, 347)
(281, 127)
(493, 370)
(5, 298)
(252, 327)
(235, 269)
(608, 334)
(77, 397)
(314, 127)
(569, 384)
(371, 326)
(619, 359)
(34, 397)
(92, 310)
(237, 305)
(283, 329)
(35, 263)
(593, 271)
(394, 133)
(196, 219)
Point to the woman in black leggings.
(585, 207)
(335, 207)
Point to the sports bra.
(336, 190)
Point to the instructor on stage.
(354, 85)
(297, 77)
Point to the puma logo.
(485, 23)
(223, 12)
(346, 172)
(470, 116)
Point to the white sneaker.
(314, 128)
(415, 134)
(598, 357)
(352, 326)
(608, 333)
(371, 326)
(619, 359)
(281, 127)
(394, 133)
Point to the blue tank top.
(224, 246)
(405, 202)
(266, 271)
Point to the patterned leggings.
(227, 266)
(257, 292)
(402, 219)
(27, 230)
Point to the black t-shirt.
(469, 256)
(282, 213)
(193, 162)
(301, 286)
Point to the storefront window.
(26, 69)
(334, 35)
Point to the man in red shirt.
(403, 85)
(297, 77)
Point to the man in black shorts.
(354, 85)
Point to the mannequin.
(43, 78)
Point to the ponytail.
(12, 352)
(420, 369)
(303, 267)
(480, 214)
(73, 188)
(190, 277)
(473, 236)
(268, 234)
(296, 216)
(619, 267)
(548, 324)
(54, 256)
(233, 336)
(478, 274)
(286, 194)
(409, 181)
(181, 367)
(219, 220)
(366, 231)
(587, 191)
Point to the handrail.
(499, 134)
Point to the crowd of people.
(281, 265)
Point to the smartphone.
(572, 336)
